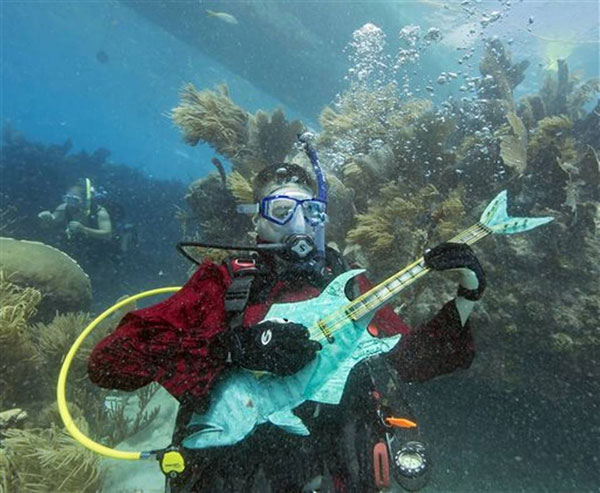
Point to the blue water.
(54, 87)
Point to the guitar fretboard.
(384, 291)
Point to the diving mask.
(72, 200)
(280, 209)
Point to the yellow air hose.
(64, 371)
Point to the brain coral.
(64, 286)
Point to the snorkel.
(89, 192)
(310, 151)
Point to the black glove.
(281, 348)
(457, 256)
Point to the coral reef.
(36, 454)
(213, 216)
(211, 116)
(34, 178)
(500, 75)
(513, 144)
(47, 460)
(249, 141)
(17, 306)
(61, 281)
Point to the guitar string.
(339, 319)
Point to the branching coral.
(448, 216)
(127, 415)
(395, 226)
(209, 203)
(17, 306)
(582, 95)
(211, 116)
(565, 94)
(531, 110)
(362, 117)
(53, 341)
(500, 75)
(240, 188)
(552, 155)
(271, 137)
(364, 171)
(552, 143)
(47, 460)
(250, 142)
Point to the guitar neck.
(384, 291)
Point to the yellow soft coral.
(212, 117)
(44, 460)
(240, 188)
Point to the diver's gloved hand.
(280, 348)
(459, 256)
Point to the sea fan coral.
(271, 137)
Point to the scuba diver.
(88, 213)
(95, 235)
(214, 325)
(80, 214)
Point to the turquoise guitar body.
(244, 400)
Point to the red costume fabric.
(169, 342)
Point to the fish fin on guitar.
(289, 422)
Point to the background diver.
(88, 213)
(191, 340)
(80, 214)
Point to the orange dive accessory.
(400, 422)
